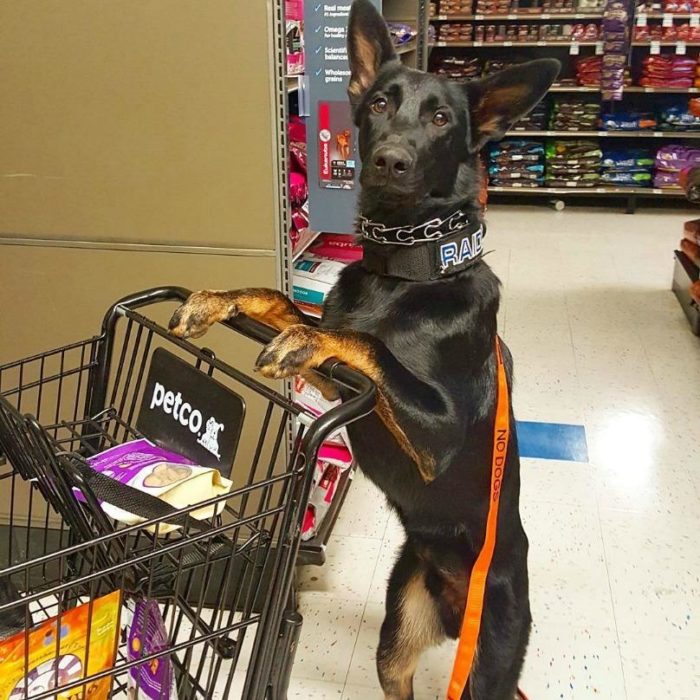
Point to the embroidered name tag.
(457, 253)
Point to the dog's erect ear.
(369, 47)
(498, 101)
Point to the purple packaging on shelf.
(152, 680)
(674, 158)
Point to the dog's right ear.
(369, 48)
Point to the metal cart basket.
(223, 585)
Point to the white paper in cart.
(161, 473)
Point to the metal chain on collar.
(402, 235)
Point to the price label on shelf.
(478, 17)
(478, 43)
(695, 20)
(545, 15)
(541, 43)
(442, 17)
(641, 20)
(440, 43)
(507, 43)
(574, 48)
(511, 16)
(655, 48)
(599, 48)
(658, 134)
(667, 20)
(680, 48)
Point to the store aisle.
(599, 341)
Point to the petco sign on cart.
(190, 413)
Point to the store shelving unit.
(673, 135)
(413, 53)
(566, 51)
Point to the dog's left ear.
(497, 102)
(369, 48)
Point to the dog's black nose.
(393, 161)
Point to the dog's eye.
(379, 105)
(440, 119)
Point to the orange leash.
(471, 624)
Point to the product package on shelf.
(298, 184)
(674, 32)
(334, 457)
(313, 278)
(573, 114)
(671, 160)
(294, 16)
(630, 167)
(692, 250)
(337, 246)
(573, 163)
(628, 121)
(536, 120)
(457, 67)
(686, 271)
(516, 163)
(558, 6)
(691, 231)
(678, 116)
(668, 71)
(490, 7)
(455, 32)
(455, 7)
(401, 33)
(644, 6)
(616, 43)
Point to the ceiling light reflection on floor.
(627, 446)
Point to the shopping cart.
(223, 586)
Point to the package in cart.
(161, 473)
(52, 655)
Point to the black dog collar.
(430, 251)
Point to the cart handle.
(360, 405)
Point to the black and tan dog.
(418, 316)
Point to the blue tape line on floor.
(552, 441)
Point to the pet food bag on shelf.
(334, 457)
(332, 461)
(161, 473)
(313, 278)
(294, 16)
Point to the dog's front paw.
(202, 310)
(294, 350)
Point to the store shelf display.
(634, 67)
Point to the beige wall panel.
(52, 296)
(138, 120)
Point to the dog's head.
(418, 132)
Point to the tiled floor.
(615, 559)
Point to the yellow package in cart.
(56, 657)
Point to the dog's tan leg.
(301, 348)
(204, 309)
(412, 625)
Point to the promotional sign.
(332, 141)
(190, 413)
(336, 139)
